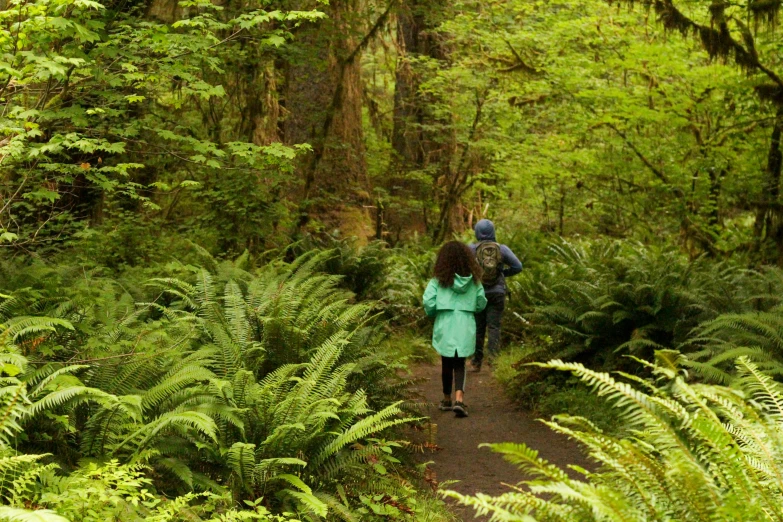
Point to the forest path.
(493, 418)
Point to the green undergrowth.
(244, 389)
(553, 394)
(412, 347)
(693, 451)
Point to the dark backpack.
(489, 258)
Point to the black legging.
(453, 371)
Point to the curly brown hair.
(455, 258)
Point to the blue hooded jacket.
(509, 264)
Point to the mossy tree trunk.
(769, 218)
(423, 144)
(323, 106)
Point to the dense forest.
(218, 217)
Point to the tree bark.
(716, 184)
(457, 181)
(417, 146)
(768, 215)
(323, 101)
(413, 41)
(261, 115)
(561, 208)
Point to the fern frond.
(241, 460)
(188, 420)
(19, 327)
(70, 396)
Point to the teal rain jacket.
(454, 309)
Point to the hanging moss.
(770, 92)
(672, 19)
(765, 12)
(718, 12)
(717, 39)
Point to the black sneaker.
(445, 405)
(460, 409)
(476, 366)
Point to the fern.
(227, 381)
(17, 328)
(757, 336)
(697, 452)
(601, 298)
(69, 397)
(241, 460)
(170, 421)
(13, 409)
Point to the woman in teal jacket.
(453, 297)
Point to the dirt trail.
(493, 418)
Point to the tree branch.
(520, 63)
(647, 163)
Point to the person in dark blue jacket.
(489, 318)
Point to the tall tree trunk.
(716, 183)
(323, 99)
(768, 216)
(561, 208)
(408, 111)
(417, 147)
(455, 181)
(261, 111)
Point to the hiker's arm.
(481, 298)
(513, 265)
(430, 298)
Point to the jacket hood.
(461, 283)
(485, 230)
